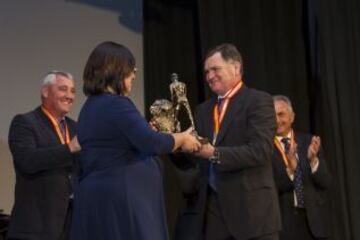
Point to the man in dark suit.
(230, 191)
(44, 146)
(301, 177)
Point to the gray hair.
(284, 99)
(51, 76)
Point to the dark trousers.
(270, 236)
(65, 235)
(296, 228)
(214, 226)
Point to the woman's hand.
(186, 141)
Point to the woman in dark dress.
(120, 195)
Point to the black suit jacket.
(42, 166)
(245, 183)
(315, 190)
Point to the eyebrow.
(213, 68)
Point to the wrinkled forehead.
(282, 106)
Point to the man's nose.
(209, 75)
(70, 95)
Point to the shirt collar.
(223, 96)
(289, 135)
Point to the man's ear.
(45, 91)
(292, 118)
(237, 67)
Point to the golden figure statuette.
(165, 113)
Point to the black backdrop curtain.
(335, 76)
(308, 50)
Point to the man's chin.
(65, 111)
(280, 133)
(217, 91)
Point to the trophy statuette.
(165, 113)
(163, 116)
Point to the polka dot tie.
(298, 180)
(298, 186)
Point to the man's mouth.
(66, 102)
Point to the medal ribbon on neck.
(219, 116)
(282, 151)
(63, 139)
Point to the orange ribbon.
(56, 126)
(218, 117)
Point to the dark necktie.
(62, 126)
(212, 178)
(298, 181)
(220, 103)
(286, 142)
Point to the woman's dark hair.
(107, 67)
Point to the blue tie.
(62, 125)
(212, 177)
(298, 186)
(286, 142)
(298, 181)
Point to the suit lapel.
(279, 161)
(207, 121)
(302, 151)
(47, 126)
(236, 103)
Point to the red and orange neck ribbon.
(218, 116)
(56, 125)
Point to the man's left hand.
(313, 150)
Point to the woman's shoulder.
(118, 104)
(110, 98)
(121, 100)
(107, 103)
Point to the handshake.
(189, 142)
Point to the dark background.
(308, 50)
